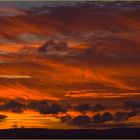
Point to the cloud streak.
(15, 76)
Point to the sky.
(69, 65)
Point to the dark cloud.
(81, 120)
(83, 107)
(119, 116)
(53, 47)
(43, 107)
(98, 107)
(55, 109)
(87, 107)
(102, 118)
(85, 120)
(131, 105)
(40, 106)
(107, 117)
(98, 119)
(122, 116)
(12, 106)
(3, 117)
(66, 119)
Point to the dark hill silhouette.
(71, 133)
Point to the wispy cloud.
(15, 76)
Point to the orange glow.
(69, 56)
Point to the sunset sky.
(69, 65)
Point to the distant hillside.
(84, 133)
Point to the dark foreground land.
(45, 133)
